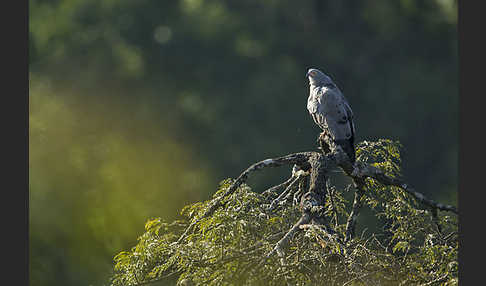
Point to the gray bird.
(331, 111)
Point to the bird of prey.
(331, 111)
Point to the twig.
(360, 277)
(283, 194)
(353, 216)
(330, 234)
(330, 191)
(282, 243)
(303, 186)
(369, 171)
(296, 158)
(279, 186)
(440, 279)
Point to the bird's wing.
(350, 115)
(337, 114)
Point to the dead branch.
(368, 171)
(299, 159)
(312, 203)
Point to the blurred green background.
(140, 107)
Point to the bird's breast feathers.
(328, 109)
(319, 98)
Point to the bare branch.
(353, 216)
(328, 232)
(283, 194)
(369, 171)
(282, 243)
(279, 186)
(299, 159)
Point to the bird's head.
(318, 78)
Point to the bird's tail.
(348, 148)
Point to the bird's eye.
(312, 73)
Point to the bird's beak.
(307, 75)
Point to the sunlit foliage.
(228, 247)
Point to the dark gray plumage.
(331, 111)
